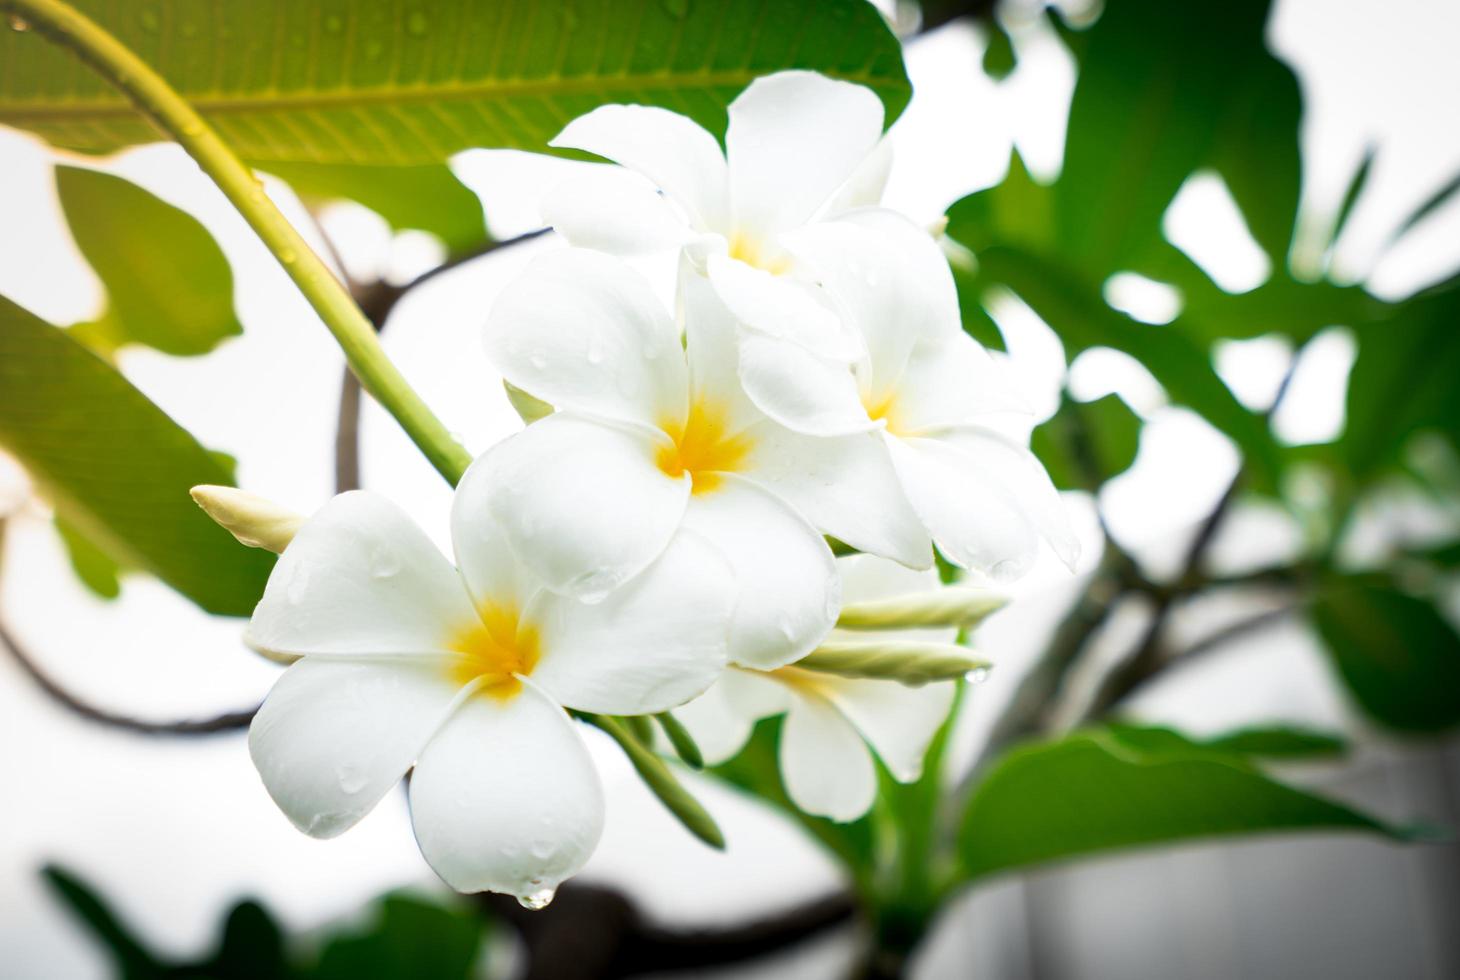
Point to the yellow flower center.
(802, 680)
(883, 407)
(703, 447)
(752, 250)
(499, 649)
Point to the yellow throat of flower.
(703, 447)
(496, 651)
(752, 250)
(883, 407)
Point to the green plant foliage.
(1404, 380)
(385, 83)
(1107, 788)
(408, 938)
(1278, 743)
(426, 197)
(96, 569)
(116, 467)
(1399, 657)
(1086, 443)
(168, 284)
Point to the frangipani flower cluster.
(659, 536)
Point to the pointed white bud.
(253, 520)
(960, 607)
(906, 662)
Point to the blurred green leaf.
(999, 59)
(1098, 790)
(168, 284)
(1399, 657)
(409, 938)
(1278, 743)
(132, 960)
(1356, 186)
(1018, 210)
(1429, 206)
(252, 947)
(96, 569)
(370, 82)
(426, 197)
(1404, 380)
(1086, 443)
(1165, 89)
(116, 467)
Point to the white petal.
(784, 307)
(867, 578)
(360, 578)
(614, 210)
(865, 186)
(721, 719)
(711, 335)
(788, 593)
(1026, 481)
(794, 138)
(654, 643)
(583, 503)
(334, 736)
(671, 150)
(973, 520)
(897, 720)
(846, 486)
(888, 278)
(506, 799)
(484, 554)
(799, 389)
(952, 381)
(825, 765)
(585, 332)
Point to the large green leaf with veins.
(116, 467)
(405, 83)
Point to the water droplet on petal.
(537, 900)
(350, 778)
(537, 361)
(297, 586)
(384, 563)
(542, 849)
(977, 675)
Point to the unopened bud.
(956, 607)
(907, 662)
(528, 408)
(253, 520)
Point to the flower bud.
(960, 607)
(254, 521)
(906, 662)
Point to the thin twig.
(232, 721)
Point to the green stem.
(160, 103)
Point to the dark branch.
(595, 932)
(231, 722)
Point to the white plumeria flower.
(463, 673)
(831, 721)
(799, 146)
(923, 388)
(652, 434)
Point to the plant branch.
(230, 722)
(161, 104)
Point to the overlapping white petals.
(616, 211)
(651, 645)
(721, 719)
(333, 737)
(782, 307)
(952, 381)
(847, 486)
(799, 388)
(824, 763)
(584, 332)
(788, 590)
(505, 798)
(898, 721)
(359, 578)
(794, 139)
(673, 151)
(582, 502)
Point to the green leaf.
(96, 569)
(1356, 186)
(1278, 743)
(380, 82)
(1086, 443)
(252, 947)
(1404, 380)
(117, 467)
(168, 284)
(1429, 206)
(426, 197)
(133, 961)
(999, 59)
(1166, 89)
(1018, 210)
(1098, 790)
(410, 938)
(1399, 657)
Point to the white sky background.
(174, 831)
